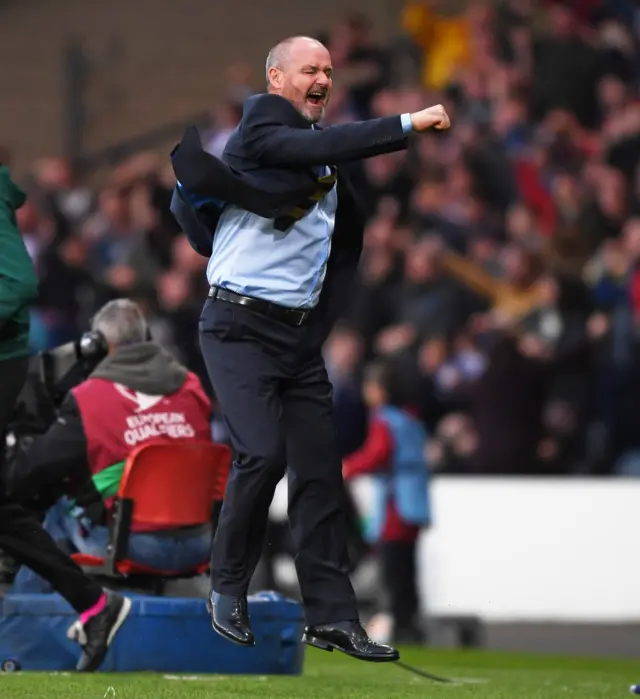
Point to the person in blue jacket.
(392, 456)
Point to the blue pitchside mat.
(162, 634)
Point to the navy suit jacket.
(271, 165)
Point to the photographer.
(137, 394)
(101, 613)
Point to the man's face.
(305, 78)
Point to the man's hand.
(431, 118)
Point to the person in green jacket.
(101, 612)
(18, 279)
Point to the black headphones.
(93, 344)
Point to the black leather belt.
(291, 316)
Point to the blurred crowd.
(501, 271)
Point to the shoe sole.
(330, 647)
(220, 631)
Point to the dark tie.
(325, 185)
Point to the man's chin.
(313, 114)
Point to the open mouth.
(317, 97)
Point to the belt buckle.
(301, 318)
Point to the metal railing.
(114, 154)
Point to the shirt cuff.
(406, 122)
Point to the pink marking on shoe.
(92, 611)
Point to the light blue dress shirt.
(249, 256)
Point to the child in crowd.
(392, 456)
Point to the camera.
(51, 375)
(64, 367)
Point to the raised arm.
(270, 137)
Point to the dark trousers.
(21, 535)
(276, 399)
(398, 560)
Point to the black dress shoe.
(230, 618)
(350, 638)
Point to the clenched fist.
(431, 118)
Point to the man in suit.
(279, 217)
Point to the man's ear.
(276, 78)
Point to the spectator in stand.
(445, 41)
(362, 63)
(566, 69)
(343, 354)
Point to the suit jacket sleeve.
(272, 135)
(204, 176)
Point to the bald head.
(280, 54)
(277, 57)
(299, 69)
